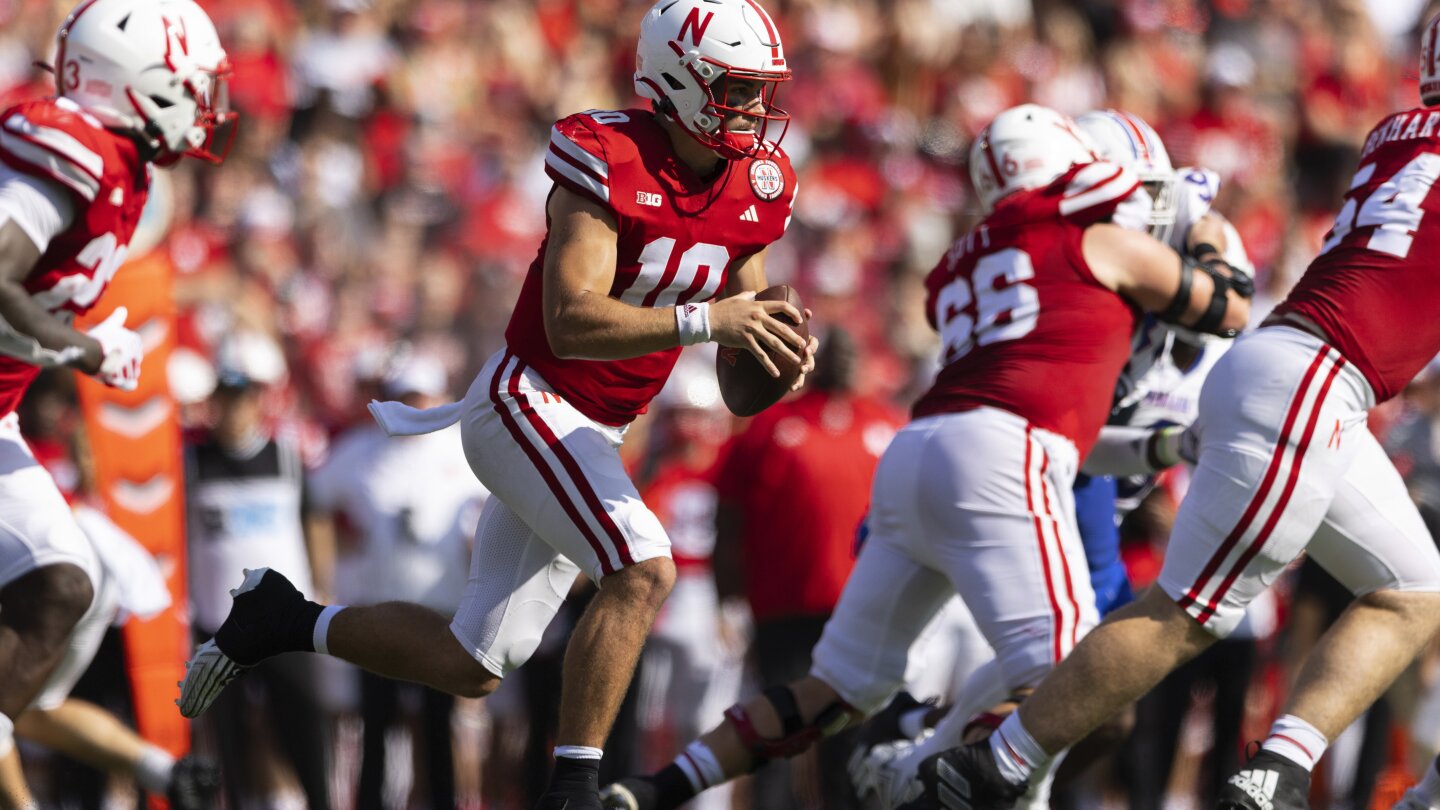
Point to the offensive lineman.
(139, 82)
(653, 213)
(1286, 465)
(1153, 390)
(1035, 309)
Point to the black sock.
(301, 635)
(575, 775)
(280, 621)
(672, 787)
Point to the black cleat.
(268, 617)
(1267, 782)
(570, 800)
(884, 725)
(965, 778)
(193, 783)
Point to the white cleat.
(207, 673)
(210, 670)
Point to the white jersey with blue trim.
(1196, 190)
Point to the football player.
(1035, 309)
(138, 83)
(654, 213)
(1155, 399)
(1286, 465)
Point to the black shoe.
(193, 783)
(965, 778)
(570, 800)
(884, 725)
(269, 616)
(1267, 782)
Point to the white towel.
(399, 419)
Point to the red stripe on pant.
(1059, 630)
(577, 475)
(1214, 602)
(544, 469)
(1060, 547)
(1193, 595)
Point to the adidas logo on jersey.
(750, 215)
(1258, 785)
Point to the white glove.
(121, 350)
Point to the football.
(745, 385)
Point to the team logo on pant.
(766, 180)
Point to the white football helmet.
(692, 51)
(1126, 140)
(1024, 147)
(151, 67)
(1430, 63)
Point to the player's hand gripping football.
(744, 323)
(121, 350)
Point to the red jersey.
(54, 140)
(800, 475)
(1374, 288)
(1024, 325)
(684, 500)
(678, 235)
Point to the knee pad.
(796, 736)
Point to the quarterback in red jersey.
(139, 82)
(1287, 465)
(1035, 309)
(653, 214)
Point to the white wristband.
(693, 321)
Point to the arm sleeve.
(41, 208)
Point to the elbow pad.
(1225, 278)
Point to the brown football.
(745, 385)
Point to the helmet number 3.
(72, 74)
(993, 305)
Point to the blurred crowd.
(387, 189)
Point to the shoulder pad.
(1095, 190)
(62, 145)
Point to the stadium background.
(387, 183)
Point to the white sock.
(700, 766)
(1016, 752)
(578, 752)
(321, 635)
(1296, 740)
(152, 772)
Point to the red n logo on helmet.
(695, 25)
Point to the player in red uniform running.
(1286, 465)
(654, 213)
(1035, 309)
(139, 82)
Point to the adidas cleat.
(1267, 782)
(965, 778)
(268, 617)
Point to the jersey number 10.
(1001, 312)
